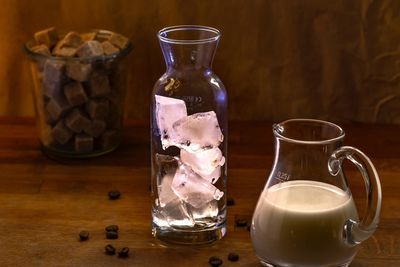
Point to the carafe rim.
(278, 128)
(162, 34)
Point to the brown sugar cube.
(57, 107)
(41, 49)
(53, 71)
(118, 40)
(67, 47)
(48, 37)
(79, 71)
(64, 51)
(98, 108)
(89, 36)
(61, 133)
(108, 48)
(97, 128)
(90, 48)
(99, 85)
(103, 35)
(54, 68)
(83, 143)
(109, 139)
(52, 90)
(72, 39)
(77, 121)
(75, 93)
(53, 77)
(48, 118)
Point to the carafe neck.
(188, 57)
(189, 48)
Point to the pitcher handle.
(357, 231)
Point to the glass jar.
(79, 101)
(189, 130)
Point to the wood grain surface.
(334, 60)
(44, 203)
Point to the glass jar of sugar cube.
(79, 87)
(189, 140)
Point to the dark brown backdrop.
(337, 60)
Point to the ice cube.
(165, 192)
(176, 214)
(193, 189)
(206, 163)
(166, 164)
(197, 131)
(212, 177)
(210, 209)
(168, 111)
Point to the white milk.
(300, 223)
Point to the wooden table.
(45, 203)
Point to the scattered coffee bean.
(84, 235)
(112, 227)
(241, 222)
(233, 256)
(215, 261)
(109, 249)
(230, 201)
(114, 194)
(123, 252)
(111, 235)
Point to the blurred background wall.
(336, 60)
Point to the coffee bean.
(123, 252)
(112, 227)
(230, 201)
(241, 222)
(214, 261)
(114, 194)
(84, 235)
(109, 249)
(233, 256)
(111, 235)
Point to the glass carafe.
(306, 215)
(188, 140)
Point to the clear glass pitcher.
(189, 140)
(306, 215)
